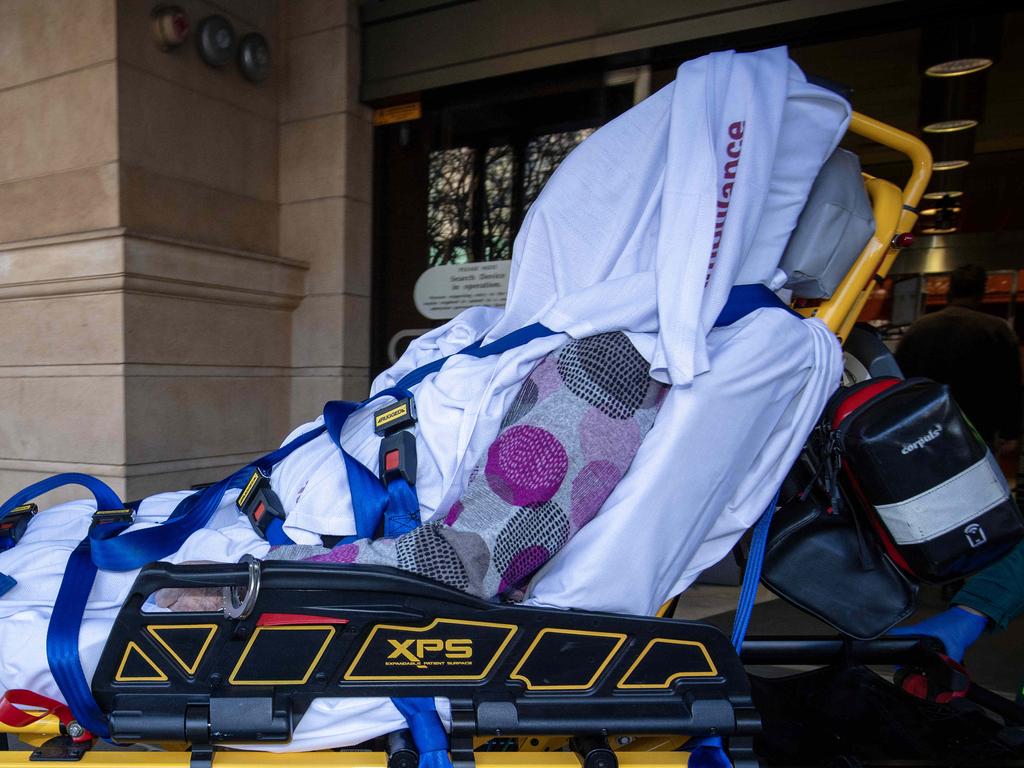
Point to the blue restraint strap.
(744, 299)
(752, 574)
(476, 349)
(103, 493)
(424, 722)
(105, 497)
(427, 731)
(108, 547)
(369, 498)
(125, 552)
(707, 751)
(62, 639)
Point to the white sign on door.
(442, 292)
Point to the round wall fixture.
(215, 39)
(254, 57)
(170, 26)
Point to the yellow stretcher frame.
(895, 212)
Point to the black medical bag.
(823, 560)
(927, 483)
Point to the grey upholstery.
(833, 229)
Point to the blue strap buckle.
(106, 516)
(13, 527)
(398, 457)
(259, 503)
(401, 414)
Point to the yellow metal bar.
(906, 144)
(538, 743)
(46, 726)
(652, 744)
(128, 759)
(36, 733)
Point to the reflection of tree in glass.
(466, 223)
(543, 156)
(499, 176)
(450, 206)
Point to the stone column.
(62, 343)
(325, 186)
(184, 255)
(207, 297)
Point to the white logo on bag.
(975, 535)
(924, 439)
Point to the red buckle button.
(391, 461)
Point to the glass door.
(452, 187)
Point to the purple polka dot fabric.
(525, 465)
(343, 553)
(453, 513)
(606, 439)
(590, 488)
(565, 443)
(524, 563)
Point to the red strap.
(12, 714)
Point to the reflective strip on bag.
(956, 502)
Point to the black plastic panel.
(327, 631)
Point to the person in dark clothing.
(971, 351)
(976, 355)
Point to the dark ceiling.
(885, 72)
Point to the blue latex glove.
(955, 628)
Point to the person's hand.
(956, 628)
(192, 599)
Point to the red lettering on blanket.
(733, 150)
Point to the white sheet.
(622, 238)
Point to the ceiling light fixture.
(950, 126)
(940, 195)
(961, 41)
(949, 165)
(937, 230)
(959, 67)
(935, 211)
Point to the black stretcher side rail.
(816, 650)
(367, 631)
